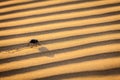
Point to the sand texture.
(79, 39)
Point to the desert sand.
(79, 40)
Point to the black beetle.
(33, 42)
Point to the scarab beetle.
(33, 42)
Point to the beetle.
(33, 42)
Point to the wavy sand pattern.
(80, 39)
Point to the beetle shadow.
(44, 49)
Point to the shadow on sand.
(44, 49)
